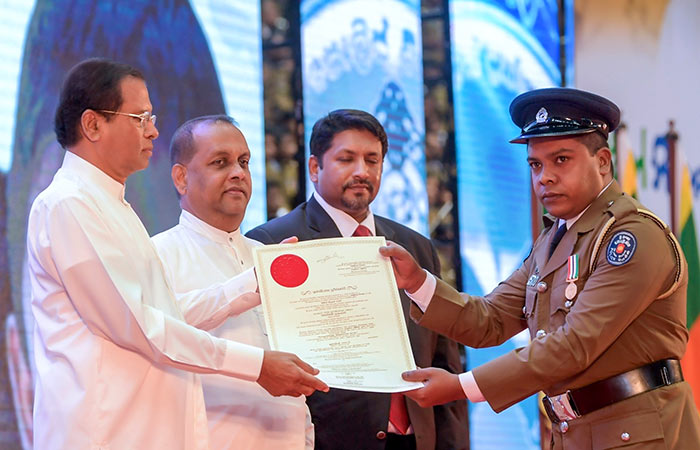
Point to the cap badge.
(541, 116)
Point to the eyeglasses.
(143, 117)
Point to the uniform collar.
(194, 223)
(345, 222)
(86, 171)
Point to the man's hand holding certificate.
(334, 303)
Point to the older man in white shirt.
(114, 355)
(210, 172)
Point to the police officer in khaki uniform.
(603, 294)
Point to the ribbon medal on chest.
(571, 277)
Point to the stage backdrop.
(500, 49)
(367, 55)
(200, 57)
(651, 69)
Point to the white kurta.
(114, 357)
(242, 415)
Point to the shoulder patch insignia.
(621, 248)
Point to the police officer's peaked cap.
(562, 112)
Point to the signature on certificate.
(335, 255)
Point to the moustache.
(365, 183)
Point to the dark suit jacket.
(351, 420)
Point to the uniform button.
(541, 287)
(381, 435)
(568, 303)
(524, 310)
(625, 437)
(540, 333)
(564, 426)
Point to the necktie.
(557, 237)
(362, 230)
(398, 414)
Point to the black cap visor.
(554, 126)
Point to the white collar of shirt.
(570, 222)
(344, 221)
(75, 165)
(194, 223)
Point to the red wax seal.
(289, 270)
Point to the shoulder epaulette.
(622, 206)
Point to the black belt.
(578, 402)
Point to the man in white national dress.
(115, 349)
(209, 157)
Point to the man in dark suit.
(345, 166)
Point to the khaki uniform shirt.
(623, 316)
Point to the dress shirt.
(347, 225)
(114, 357)
(345, 222)
(242, 415)
(424, 293)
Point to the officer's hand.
(408, 273)
(285, 374)
(440, 387)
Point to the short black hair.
(341, 120)
(593, 141)
(91, 84)
(182, 144)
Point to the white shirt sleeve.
(74, 246)
(425, 292)
(210, 307)
(310, 437)
(470, 388)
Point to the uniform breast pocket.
(639, 430)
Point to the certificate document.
(335, 304)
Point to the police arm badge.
(621, 248)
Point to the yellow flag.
(627, 172)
